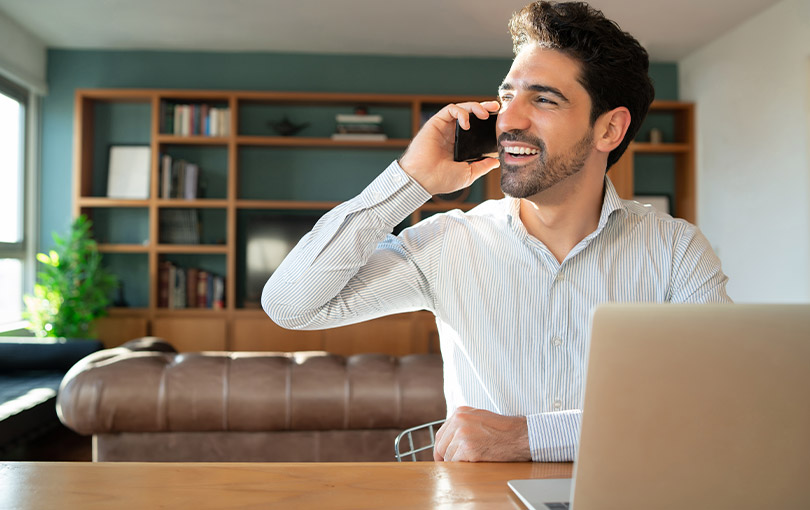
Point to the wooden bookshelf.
(138, 252)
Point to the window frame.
(25, 249)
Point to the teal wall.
(72, 69)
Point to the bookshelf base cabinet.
(217, 160)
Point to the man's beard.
(521, 182)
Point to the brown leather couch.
(145, 402)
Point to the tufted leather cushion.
(125, 390)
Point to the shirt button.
(557, 341)
(377, 196)
(557, 405)
(396, 178)
(559, 277)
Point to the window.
(13, 239)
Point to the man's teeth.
(520, 150)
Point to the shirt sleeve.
(697, 276)
(350, 268)
(554, 437)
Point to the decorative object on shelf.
(359, 126)
(179, 226)
(73, 289)
(286, 127)
(658, 202)
(128, 172)
(656, 136)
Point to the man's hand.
(475, 435)
(429, 158)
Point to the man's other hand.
(476, 435)
(429, 157)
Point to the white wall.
(751, 87)
(22, 56)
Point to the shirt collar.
(610, 204)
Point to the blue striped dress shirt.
(512, 320)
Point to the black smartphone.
(477, 142)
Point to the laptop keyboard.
(558, 506)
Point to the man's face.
(544, 129)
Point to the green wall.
(72, 69)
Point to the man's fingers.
(461, 111)
(484, 166)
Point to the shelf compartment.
(132, 269)
(327, 175)
(104, 123)
(212, 176)
(317, 119)
(107, 227)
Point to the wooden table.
(198, 486)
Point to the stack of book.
(179, 226)
(195, 119)
(181, 287)
(362, 127)
(178, 179)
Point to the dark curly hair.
(614, 65)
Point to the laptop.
(691, 406)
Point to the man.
(511, 282)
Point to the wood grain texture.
(355, 486)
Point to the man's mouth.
(521, 151)
(517, 154)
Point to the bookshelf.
(250, 169)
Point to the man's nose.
(513, 116)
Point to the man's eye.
(545, 100)
(505, 98)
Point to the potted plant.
(73, 289)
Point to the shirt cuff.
(394, 195)
(554, 437)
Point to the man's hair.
(614, 65)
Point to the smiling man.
(511, 282)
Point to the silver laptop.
(691, 406)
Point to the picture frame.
(659, 202)
(128, 171)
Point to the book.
(202, 289)
(179, 226)
(128, 173)
(190, 177)
(218, 298)
(165, 176)
(192, 275)
(163, 284)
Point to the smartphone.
(477, 142)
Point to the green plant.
(73, 289)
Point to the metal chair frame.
(409, 433)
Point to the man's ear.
(610, 128)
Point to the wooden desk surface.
(198, 486)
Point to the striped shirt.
(512, 321)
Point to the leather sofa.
(145, 402)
